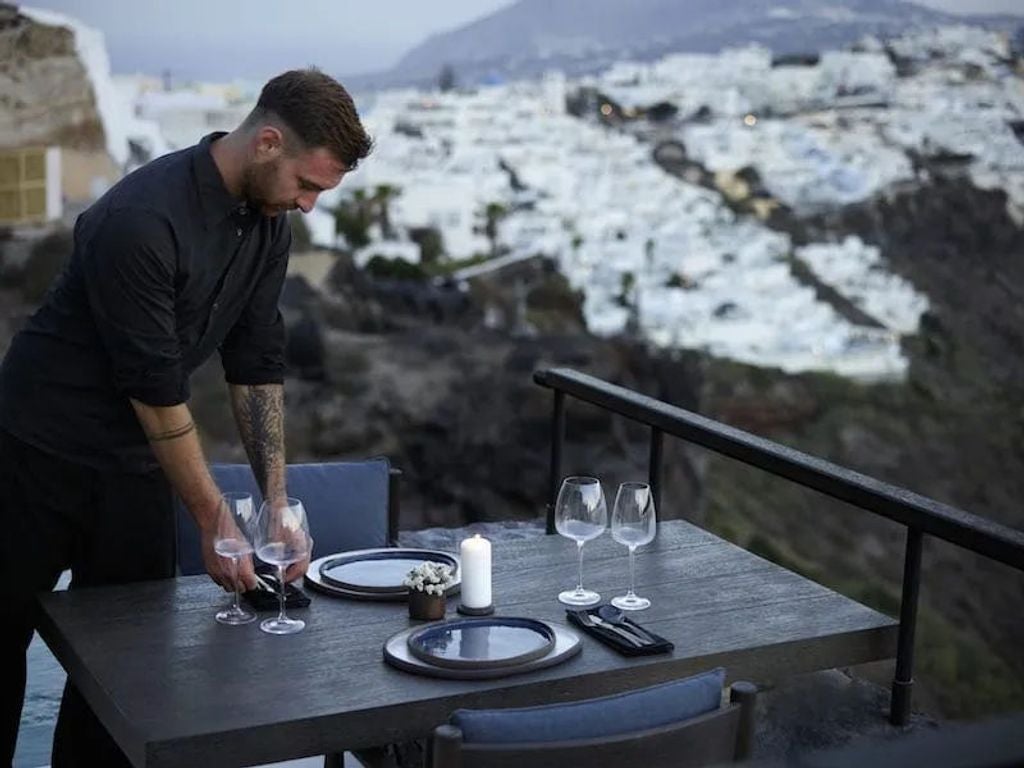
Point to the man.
(184, 256)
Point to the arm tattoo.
(259, 411)
(171, 434)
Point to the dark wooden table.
(175, 688)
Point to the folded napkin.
(656, 644)
(262, 599)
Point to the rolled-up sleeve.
(253, 351)
(129, 276)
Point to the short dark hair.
(319, 111)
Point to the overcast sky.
(226, 39)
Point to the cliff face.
(954, 431)
(45, 94)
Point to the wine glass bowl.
(282, 538)
(236, 522)
(634, 523)
(581, 514)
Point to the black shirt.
(167, 267)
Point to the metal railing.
(919, 514)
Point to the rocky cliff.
(46, 96)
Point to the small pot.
(426, 607)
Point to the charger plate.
(482, 643)
(397, 652)
(351, 587)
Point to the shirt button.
(238, 231)
(216, 306)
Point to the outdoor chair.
(349, 505)
(680, 723)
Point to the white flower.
(432, 578)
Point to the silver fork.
(590, 620)
(261, 584)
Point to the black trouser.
(108, 528)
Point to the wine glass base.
(282, 626)
(579, 597)
(631, 602)
(234, 617)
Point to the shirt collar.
(214, 198)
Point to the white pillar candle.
(476, 572)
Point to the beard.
(257, 184)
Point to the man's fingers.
(295, 570)
(246, 574)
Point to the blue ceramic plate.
(482, 643)
(379, 571)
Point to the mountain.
(577, 36)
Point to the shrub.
(45, 262)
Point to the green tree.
(352, 219)
(493, 215)
(431, 243)
(381, 202)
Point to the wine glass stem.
(632, 569)
(234, 576)
(280, 577)
(579, 575)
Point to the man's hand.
(222, 569)
(298, 569)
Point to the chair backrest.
(681, 723)
(349, 505)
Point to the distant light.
(606, 109)
(750, 120)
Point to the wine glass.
(282, 538)
(236, 524)
(581, 514)
(633, 524)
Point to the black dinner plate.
(482, 643)
(379, 572)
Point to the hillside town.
(509, 170)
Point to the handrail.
(978, 534)
(919, 514)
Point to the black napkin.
(268, 600)
(614, 640)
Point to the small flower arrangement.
(432, 578)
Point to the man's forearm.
(259, 412)
(175, 442)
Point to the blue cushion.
(346, 505)
(627, 712)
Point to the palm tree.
(493, 213)
(382, 198)
(352, 219)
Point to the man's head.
(304, 136)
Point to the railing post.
(903, 681)
(555, 472)
(654, 467)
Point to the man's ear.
(268, 143)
